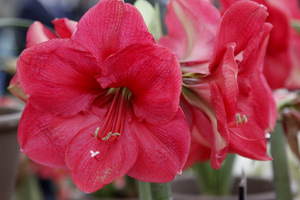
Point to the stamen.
(241, 120)
(113, 125)
(110, 134)
(245, 118)
(96, 132)
(238, 119)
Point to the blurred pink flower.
(225, 97)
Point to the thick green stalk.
(215, 182)
(279, 163)
(161, 191)
(144, 191)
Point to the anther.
(238, 119)
(241, 120)
(109, 135)
(96, 132)
(245, 119)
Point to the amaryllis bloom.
(282, 61)
(36, 34)
(103, 100)
(225, 97)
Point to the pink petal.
(15, 88)
(240, 23)
(290, 6)
(278, 54)
(152, 74)
(192, 27)
(227, 83)
(277, 69)
(225, 78)
(278, 64)
(225, 4)
(293, 81)
(202, 131)
(254, 60)
(93, 163)
(255, 101)
(254, 53)
(201, 135)
(281, 33)
(38, 33)
(163, 150)
(215, 95)
(109, 27)
(221, 136)
(64, 27)
(58, 76)
(197, 153)
(44, 137)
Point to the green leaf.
(151, 17)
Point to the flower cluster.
(104, 100)
(229, 104)
(282, 62)
(281, 65)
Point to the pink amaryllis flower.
(282, 62)
(103, 100)
(36, 34)
(226, 100)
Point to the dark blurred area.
(44, 11)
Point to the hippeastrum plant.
(282, 70)
(225, 97)
(281, 67)
(38, 33)
(102, 99)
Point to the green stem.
(215, 182)
(161, 191)
(280, 167)
(144, 190)
(15, 23)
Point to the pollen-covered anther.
(240, 120)
(96, 132)
(110, 134)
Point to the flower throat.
(114, 122)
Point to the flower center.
(114, 121)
